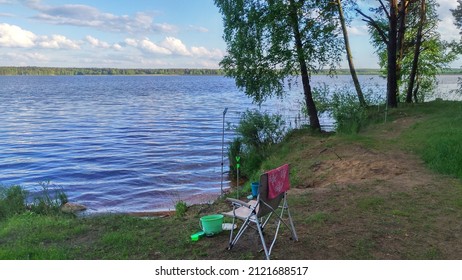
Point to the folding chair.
(271, 202)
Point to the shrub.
(12, 201)
(180, 209)
(343, 106)
(348, 113)
(257, 132)
(49, 200)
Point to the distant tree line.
(50, 71)
(57, 71)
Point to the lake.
(132, 143)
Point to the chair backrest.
(264, 201)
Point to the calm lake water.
(130, 143)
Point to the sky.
(139, 34)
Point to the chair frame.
(259, 212)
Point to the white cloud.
(172, 46)
(97, 43)
(56, 42)
(24, 58)
(448, 30)
(88, 16)
(175, 46)
(131, 42)
(117, 47)
(151, 47)
(15, 37)
(204, 52)
(446, 26)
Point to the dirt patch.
(356, 164)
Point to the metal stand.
(238, 166)
(222, 150)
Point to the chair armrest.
(239, 202)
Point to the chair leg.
(260, 232)
(245, 225)
(294, 233)
(231, 234)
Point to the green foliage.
(12, 201)
(349, 115)
(434, 54)
(180, 209)
(49, 200)
(235, 149)
(260, 130)
(257, 133)
(269, 43)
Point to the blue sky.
(137, 34)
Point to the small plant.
(180, 209)
(49, 200)
(12, 201)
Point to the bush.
(49, 200)
(257, 132)
(344, 108)
(348, 113)
(12, 201)
(180, 209)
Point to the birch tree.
(272, 43)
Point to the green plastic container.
(212, 224)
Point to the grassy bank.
(393, 191)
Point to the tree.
(359, 92)
(270, 42)
(392, 36)
(417, 51)
(420, 52)
(457, 13)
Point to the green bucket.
(212, 224)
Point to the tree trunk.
(310, 105)
(416, 90)
(415, 61)
(392, 47)
(362, 101)
(402, 12)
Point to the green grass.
(437, 136)
(317, 218)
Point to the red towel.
(278, 181)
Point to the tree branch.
(385, 9)
(374, 24)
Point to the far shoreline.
(90, 71)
